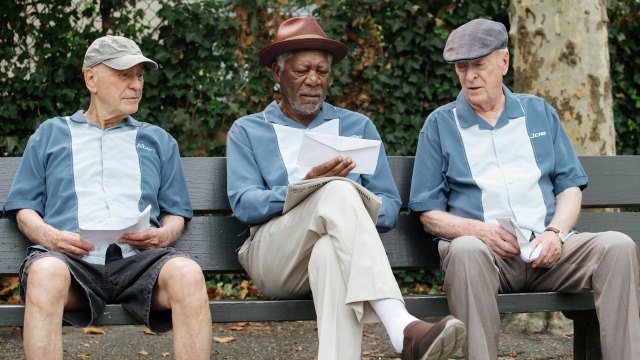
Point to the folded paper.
(523, 236)
(317, 149)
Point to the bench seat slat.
(224, 311)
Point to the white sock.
(395, 318)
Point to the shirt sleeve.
(250, 199)
(429, 187)
(173, 194)
(568, 171)
(382, 184)
(28, 190)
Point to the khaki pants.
(606, 263)
(326, 246)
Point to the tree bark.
(560, 53)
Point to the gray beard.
(305, 110)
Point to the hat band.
(305, 36)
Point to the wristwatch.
(560, 234)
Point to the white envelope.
(523, 237)
(317, 149)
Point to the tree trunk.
(560, 53)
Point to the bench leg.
(586, 335)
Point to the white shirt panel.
(107, 176)
(289, 141)
(507, 174)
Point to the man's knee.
(338, 192)
(467, 245)
(468, 252)
(48, 275)
(182, 275)
(617, 242)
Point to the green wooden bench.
(211, 238)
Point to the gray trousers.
(606, 263)
(326, 246)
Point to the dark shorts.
(129, 281)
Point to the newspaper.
(299, 191)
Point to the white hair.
(500, 54)
(282, 58)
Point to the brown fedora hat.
(301, 33)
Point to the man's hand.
(70, 243)
(551, 250)
(149, 239)
(499, 240)
(339, 166)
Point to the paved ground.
(265, 341)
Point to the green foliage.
(210, 74)
(420, 281)
(623, 49)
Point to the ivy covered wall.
(210, 75)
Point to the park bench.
(211, 238)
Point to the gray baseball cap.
(116, 52)
(475, 39)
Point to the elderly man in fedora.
(327, 246)
(493, 158)
(92, 166)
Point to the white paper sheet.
(317, 149)
(103, 233)
(523, 236)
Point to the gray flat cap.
(475, 39)
(116, 52)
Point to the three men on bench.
(93, 166)
(494, 156)
(489, 156)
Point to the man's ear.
(90, 80)
(505, 62)
(275, 70)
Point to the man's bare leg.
(49, 292)
(181, 288)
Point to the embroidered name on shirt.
(144, 147)
(535, 135)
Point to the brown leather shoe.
(425, 341)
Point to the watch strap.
(560, 234)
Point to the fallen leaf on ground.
(93, 330)
(148, 331)
(143, 353)
(224, 339)
(238, 326)
(165, 354)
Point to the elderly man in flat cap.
(100, 165)
(494, 166)
(327, 246)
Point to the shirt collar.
(274, 115)
(468, 117)
(128, 121)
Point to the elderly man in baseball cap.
(327, 246)
(498, 182)
(91, 168)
